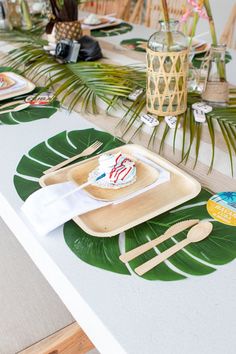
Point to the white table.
(120, 314)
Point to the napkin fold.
(45, 216)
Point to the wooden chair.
(228, 36)
(137, 13)
(120, 9)
(149, 12)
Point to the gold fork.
(88, 151)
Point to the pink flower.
(197, 7)
(186, 16)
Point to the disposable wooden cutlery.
(173, 230)
(197, 233)
(16, 109)
(88, 151)
(82, 186)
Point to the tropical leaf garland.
(84, 83)
(32, 36)
(195, 260)
(225, 117)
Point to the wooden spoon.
(197, 233)
(17, 108)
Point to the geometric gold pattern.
(68, 30)
(167, 82)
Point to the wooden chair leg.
(125, 14)
(148, 12)
(137, 10)
(227, 36)
(69, 340)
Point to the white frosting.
(92, 19)
(119, 169)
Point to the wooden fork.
(88, 151)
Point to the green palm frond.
(32, 36)
(224, 117)
(83, 82)
(86, 82)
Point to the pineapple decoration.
(65, 19)
(68, 29)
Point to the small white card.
(202, 106)
(171, 121)
(199, 116)
(135, 94)
(42, 99)
(150, 120)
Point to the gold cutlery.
(197, 233)
(172, 231)
(17, 108)
(88, 151)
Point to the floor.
(30, 310)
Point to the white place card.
(149, 120)
(199, 116)
(202, 106)
(171, 121)
(135, 94)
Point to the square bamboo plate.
(102, 25)
(11, 92)
(145, 176)
(114, 219)
(8, 81)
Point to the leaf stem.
(167, 22)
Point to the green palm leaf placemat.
(137, 44)
(122, 28)
(29, 114)
(195, 260)
(44, 155)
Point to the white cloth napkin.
(46, 217)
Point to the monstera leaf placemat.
(195, 260)
(122, 28)
(29, 114)
(137, 44)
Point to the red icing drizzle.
(126, 173)
(118, 169)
